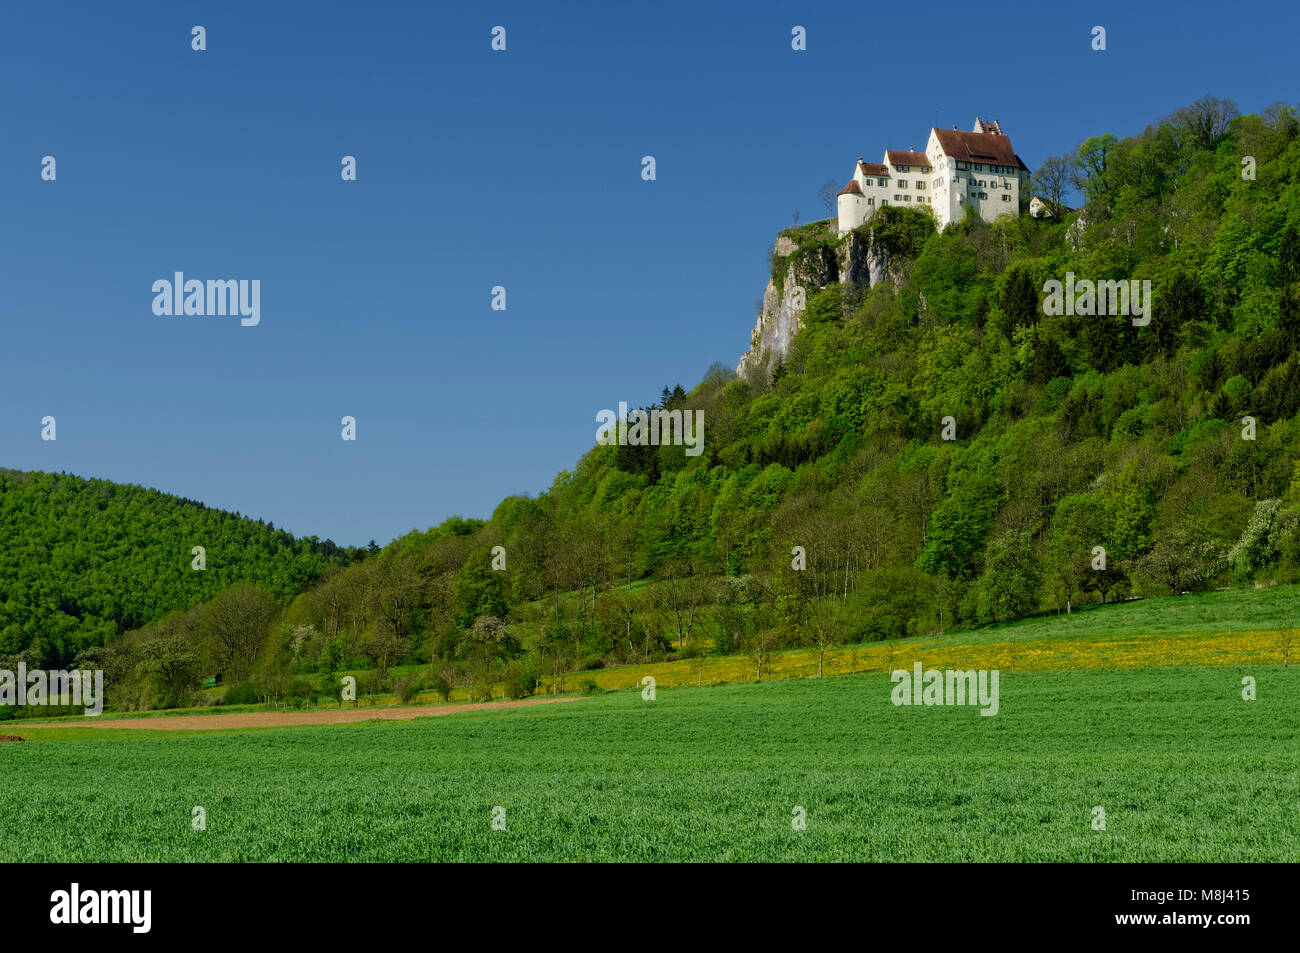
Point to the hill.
(934, 451)
(85, 560)
(1071, 432)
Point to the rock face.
(798, 272)
(778, 320)
(863, 260)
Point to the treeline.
(1093, 460)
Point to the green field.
(1185, 769)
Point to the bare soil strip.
(284, 719)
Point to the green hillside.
(1074, 433)
(82, 561)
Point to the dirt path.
(282, 719)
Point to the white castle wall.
(948, 189)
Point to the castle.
(957, 171)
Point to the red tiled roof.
(873, 168)
(897, 158)
(852, 188)
(978, 147)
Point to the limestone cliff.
(805, 260)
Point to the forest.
(84, 561)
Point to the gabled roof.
(978, 147)
(852, 188)
(897, 158)
(873, 168)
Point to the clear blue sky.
(475, 169)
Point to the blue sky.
(475, 169)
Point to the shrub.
(372, 683)
(242, 693)
(408, 689)
(589, 686)
(520, 680)
(440, 687)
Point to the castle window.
(1006, 198)
(963, 165)
(871, 200)
(882, 182)
(902, 183)
(920, 185)
(902, 168)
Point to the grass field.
(1185, 769)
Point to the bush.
(371, 683)
(589, 686)
(408, 690)
(440, 687)
(242, 693)
(693, 648)
(520, 680)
